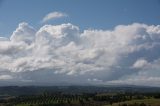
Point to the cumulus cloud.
(54, 15)
(141, 63)
(128, 54)
(24, 33)
(4, 39)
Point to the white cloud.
(61, 53)
(24, 32)
(149, 75)
(5, 77)
(4, 39)
(54, 15)
(141, 63)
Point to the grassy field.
(150, 102)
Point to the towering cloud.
(128, 54)
(24, 33)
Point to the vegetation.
(143, 102)
(83, 98)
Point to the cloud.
(148, 74)
(54, 15)
(4, 39)
(128, 54)
(24, 33)
(141, 63)
(5, 77)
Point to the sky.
(96, 42)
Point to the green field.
(148, 102)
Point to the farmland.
(79, 96)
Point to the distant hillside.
(33, 90)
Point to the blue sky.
(80, 42)
(96, 14)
